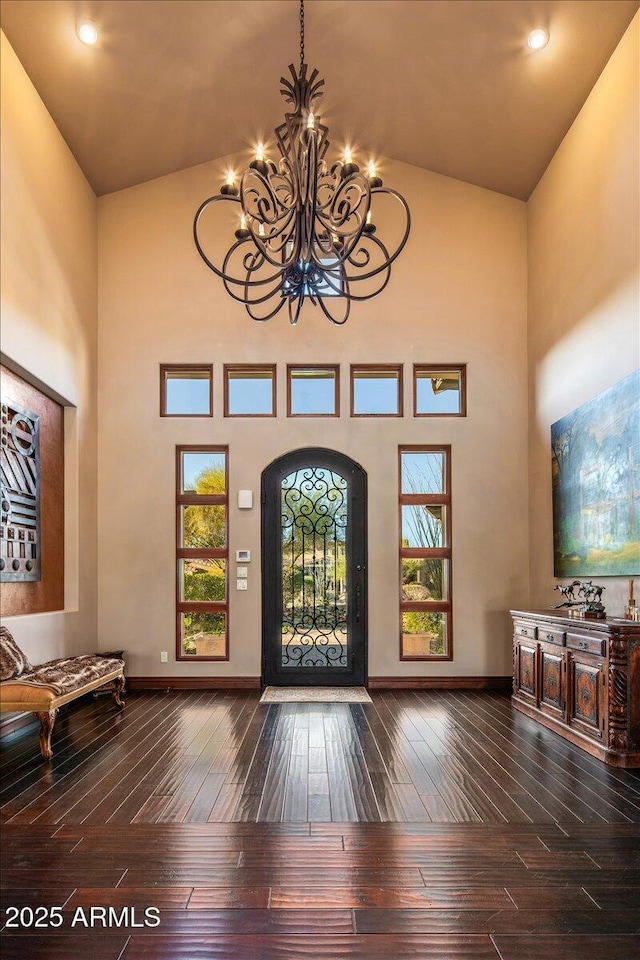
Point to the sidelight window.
(425, 553)
(202, 508)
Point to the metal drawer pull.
(550, 636)
(524, 632)
(582, 644)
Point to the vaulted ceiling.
(448, 86)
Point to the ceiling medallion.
(305, 229)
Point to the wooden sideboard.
(580, 678)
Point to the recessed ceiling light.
(538, 39)
(87, 32)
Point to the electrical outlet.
(241, 584)
(164, 657)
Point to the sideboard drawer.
(580, 641)
(526, 629)
(549, 635)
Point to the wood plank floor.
(431, 825)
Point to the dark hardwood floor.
(433, 825)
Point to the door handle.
(359, 568)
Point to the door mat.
(315, 695)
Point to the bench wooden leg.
(47, 720)
(118, 687)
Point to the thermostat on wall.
(243, 556)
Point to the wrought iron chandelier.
(305, 228)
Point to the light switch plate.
(242, 573)
(241, 584)
(245, 499)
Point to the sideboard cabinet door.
(586, 694)
(553, 684)
(526, 662)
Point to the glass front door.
(314, 575)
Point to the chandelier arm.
(227, 280)
(224, 275)
(386, 267)
(389, 258)
(329, 315)
(255, 301)
(269, 316)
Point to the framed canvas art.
(595, 456)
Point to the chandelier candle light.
(305, 229)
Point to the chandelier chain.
(301, 34)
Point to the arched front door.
(314, 582)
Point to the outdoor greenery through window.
(186, 390)
(202, 553)
(425, 553)
(249, 391)
(439, 391)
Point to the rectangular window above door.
(376, 390)
(249, 390)
(313, 391)
(440, 391)
(186, 390)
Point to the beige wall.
(458, 293)
(49, 331)
(584, 331)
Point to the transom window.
(250, 390)
(186, 390)
(313, 391)
(376, 390)
(439, 391)
(425, 553)
(202, 553)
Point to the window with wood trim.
(425, 553)
(249, 390)
(202, 554)
(440, 390)
(186, 390)
(313, 391)
(376, 390)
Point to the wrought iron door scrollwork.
(314, 593)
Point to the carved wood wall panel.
(30, 414)
(20, 494)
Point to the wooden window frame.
(333, 367)
(193, 553)
(184, 367)
(391, 368)
(437, 553)
(250, 368)
(459, 368)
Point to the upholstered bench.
(45, 688)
